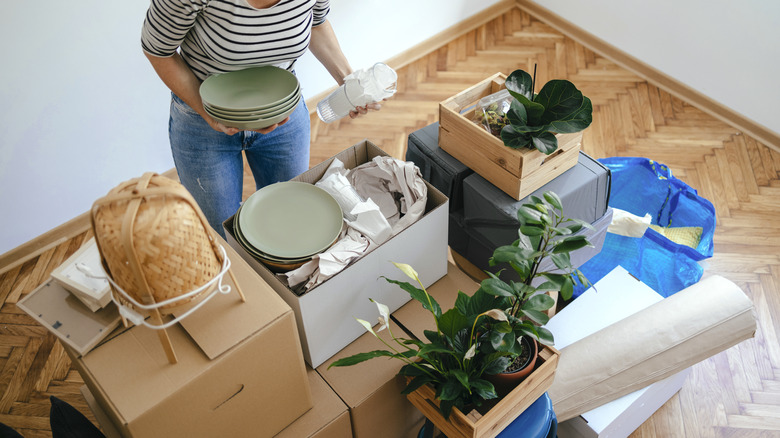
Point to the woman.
(188, 40)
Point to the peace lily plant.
(480, 336)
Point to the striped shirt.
(217, 36)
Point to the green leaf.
(545, 142)
(539, 302)
(502, 341)
(536, 316)
(571, 243)
(544, 336)
(360, 357)
(562, 261)
(483, 388)
(560, 99)
(514, 138)
(427, 349)
(462, 377)
(416, 383)
(531, 215)
(498, 365)
(497, 287)
(445, 407)
(450, 390)
(568, 289)
(530, 230)
(576, 121)
(553, 199)
(427, 301)
(520, 83)
(451, 322)
(561, 231)
(517, 114)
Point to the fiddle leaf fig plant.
(533, 119)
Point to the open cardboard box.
(240, 369)
(325, 314)
(372, 390)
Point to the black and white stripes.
(216, 36)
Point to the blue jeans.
(210, 165)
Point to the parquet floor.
(733, 394)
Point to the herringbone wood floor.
(733, 394)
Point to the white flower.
(384, 315)
(496, 314)
(408, 270)
(472, 351)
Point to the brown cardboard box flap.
(329, 417)
(225, 321)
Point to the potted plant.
(453, 360)
(544, 234)
(532, 120)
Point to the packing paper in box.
(651, 345)
(391, 196)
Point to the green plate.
(258, 254)
(250, 117)
(251, 89)
(290, 219)
(253, 113)
(258, 123)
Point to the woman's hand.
(376, 106)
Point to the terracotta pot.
(506, 382)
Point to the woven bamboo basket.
(156, 245)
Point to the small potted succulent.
(523, 119)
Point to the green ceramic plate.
(251, 89)
(258, 254)
(290, 219)
(258, 123)
(252, 113)
(250, 117)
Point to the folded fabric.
(651, 345)
(688, 236)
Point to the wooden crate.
(502, 414)
(518, 172)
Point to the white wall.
(83, 110)
(728, 50)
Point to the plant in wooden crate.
(454, 360)
(532, 120)
(544, 233)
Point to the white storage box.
(326, 313)
(614, 297)
(82, 274)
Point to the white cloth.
(628, 224)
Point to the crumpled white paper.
(628, 224)
(393, 195)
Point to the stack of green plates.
(284, 225)
(253, 98)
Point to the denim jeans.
(210, 165)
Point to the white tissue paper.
(379, 199)
(628, 224)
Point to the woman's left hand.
(376, 106)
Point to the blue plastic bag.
(641, 186)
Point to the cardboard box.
(325, 314)
(328, 418)
(372, 390)
(613, 298)
(240, 369)
(517, 172)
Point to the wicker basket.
(155, 242)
